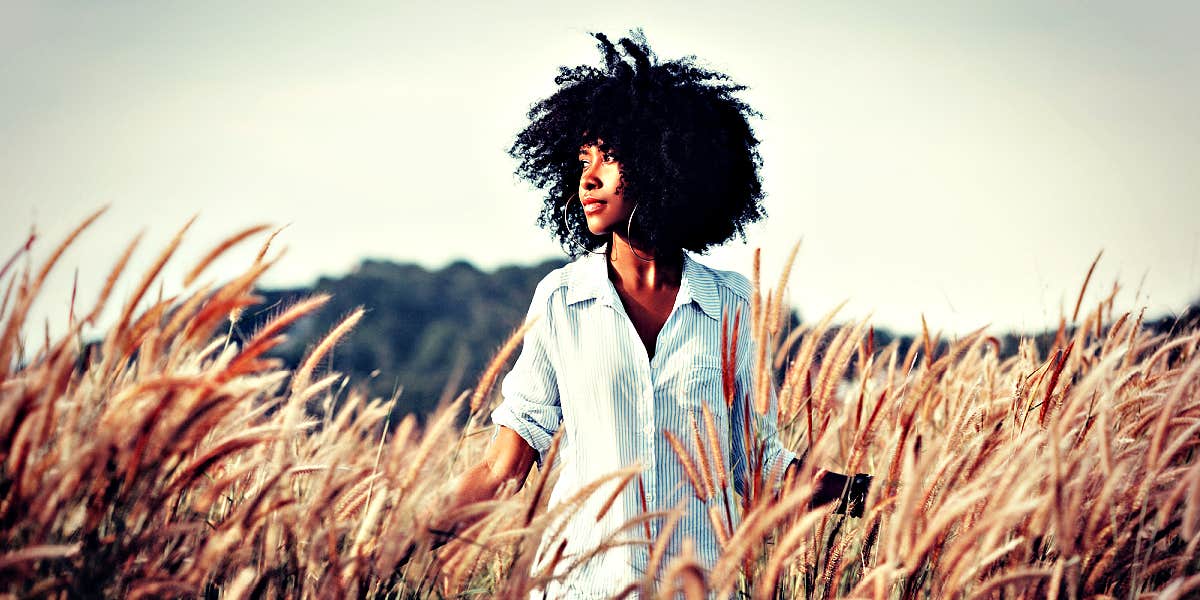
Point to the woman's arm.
(508, 458)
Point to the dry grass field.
(169, 460)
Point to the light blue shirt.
(584, 369)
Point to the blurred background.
(963, 162)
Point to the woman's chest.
(617, 403)
(648, 311)
(604, 360)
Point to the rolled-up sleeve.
(530, 404)
(764, 430)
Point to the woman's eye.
(583, 164)
(609, 158)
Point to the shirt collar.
(588, 280)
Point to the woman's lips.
(592, 207)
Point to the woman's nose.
(589, 179)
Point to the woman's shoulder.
(732, 283)
(559, 281)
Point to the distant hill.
(422, 326)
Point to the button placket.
(651, 441)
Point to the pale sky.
(961, 161)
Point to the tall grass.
(172, 460)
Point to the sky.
(963, 162)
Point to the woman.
(642, 162)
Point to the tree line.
(430, 333)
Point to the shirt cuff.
(534, 434)
(776, 468)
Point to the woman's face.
(600, 190)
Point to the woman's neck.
(635, 267)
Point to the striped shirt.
(584, 369)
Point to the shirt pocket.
(702, 387)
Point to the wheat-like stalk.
(167, 459)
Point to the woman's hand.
(509, 458)
(428, 529)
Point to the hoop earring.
(571, 230)
(627, 229)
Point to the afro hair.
(688, 155)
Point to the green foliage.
(420, 326)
